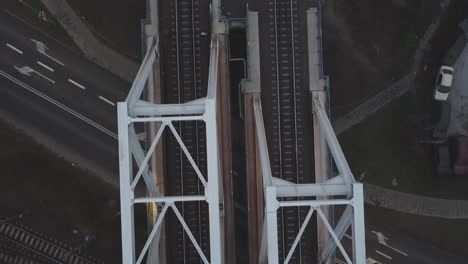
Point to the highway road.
(59, 97)
(68, 103)
(385, 245)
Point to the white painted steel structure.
(328, 191)
(134, 110)
(341, 190)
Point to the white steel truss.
(134, 110)
(339, 190)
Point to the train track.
(185, 82)
(288, 106)
(28, 247)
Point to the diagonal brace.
(340, 230)
(139, 155)
(187, 154)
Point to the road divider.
(58, 104)
(14, 48)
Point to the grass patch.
(28, 11)
(55, 197)
(389, 145)
(116, 22)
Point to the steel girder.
(315, 197)
(135, 110)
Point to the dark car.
(443, 161)
(460, 156)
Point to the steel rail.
(39, 246)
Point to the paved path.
(391, 199)
(397, 89)
(88, 43)
(415, 204)
(374, 104)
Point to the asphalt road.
(385, 245)
(70, 99)
(60, 94)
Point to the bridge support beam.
(327, 192)
(224, 128)
(154, 95)
(254, 176)
(130, 147)
(317, 89)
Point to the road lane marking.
(14, 48)
(24, 70)
(60, 105)
(54, 59)
(380, 237)
(397, 250)
(45, 77)
(45, 66)
(383, 255)
(77, 84)
(106, 100)
(42, 48)
(28, 70)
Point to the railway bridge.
(240, 163)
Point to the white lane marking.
(14, 48)
(45, 66)
(106, 100)
(28, 70)
(382, 254)
(67, 109)
(348, 236)
(54, 59)
(397, 250)
(77, 84)
(45, 77)
(380, 237)
(24, 70)
(42, 48)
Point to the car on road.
(460, 156)
(443, 83)
(443, 162)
